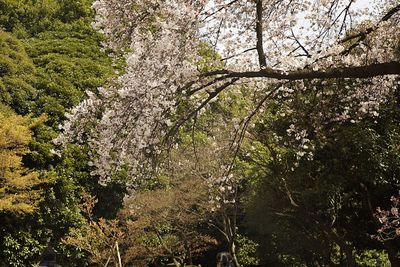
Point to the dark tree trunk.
(344, 247)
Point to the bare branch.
(307, 54)
(211, 96)
(219, 9)
(238, 54)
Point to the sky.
(362, 3)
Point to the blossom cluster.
(390, 221)
(125, 122)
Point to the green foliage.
(56, 58)
(17, 75)
(373, 258)
(247, 251)
(30, 17)
(69, 63)
(17, 250)
(209, 59)
(59, 40)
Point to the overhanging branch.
(362, 72)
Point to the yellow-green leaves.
(17, 183)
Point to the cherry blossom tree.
(274, 46)
(275, 50)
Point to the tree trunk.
(232, 251)
(345, 248)
(230, 234)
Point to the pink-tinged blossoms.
(389, 220)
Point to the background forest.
(301, 189)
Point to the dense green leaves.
(49, 57)
(311, 208)
(30, 17)
(17, 75)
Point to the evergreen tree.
(17, 183)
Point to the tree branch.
(307, 54)
(368, 71)
(211, 95)
(363, 34)
(238, 54)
